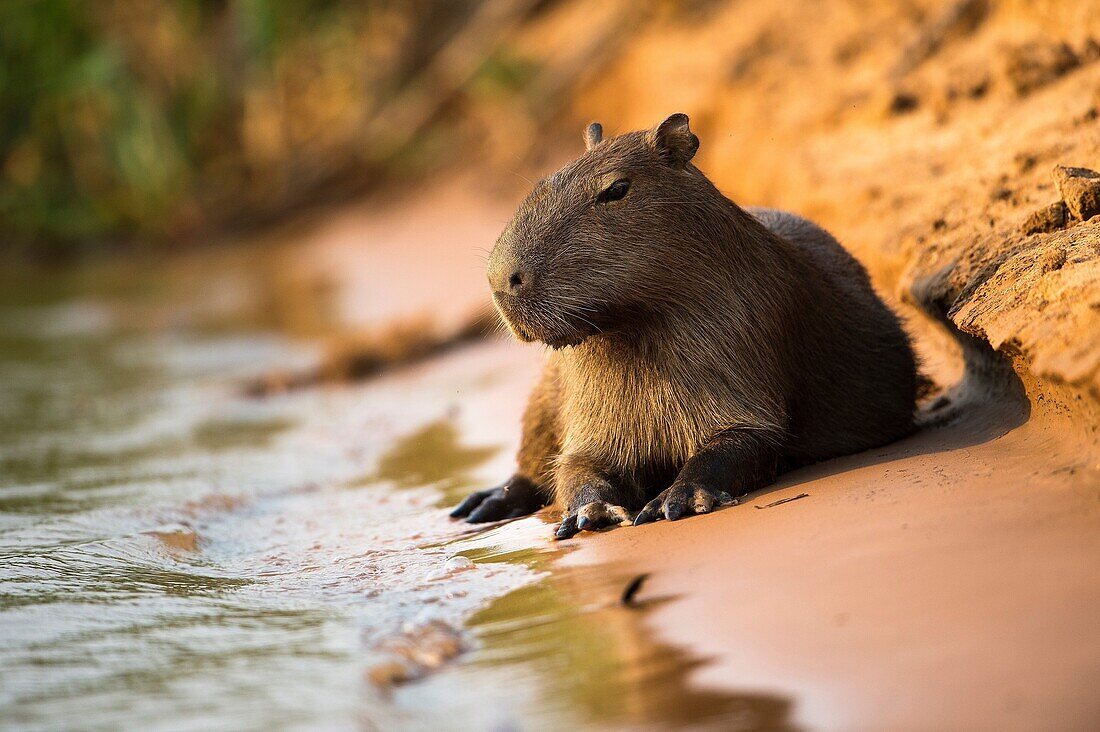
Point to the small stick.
(785, 500)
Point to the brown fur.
(695, 342)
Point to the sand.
(949, 581)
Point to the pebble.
(1080, 189)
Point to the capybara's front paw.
(683, 499)
(517, 497)
(591, 517)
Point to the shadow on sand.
(987, 403)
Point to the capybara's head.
(593, 245)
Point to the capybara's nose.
(508, 275)
(518, 282)
(513, 281)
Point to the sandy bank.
(948, 581)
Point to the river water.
(173, 551)
(179, 555)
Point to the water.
(175, 554)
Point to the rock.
(390, 673)
(1036, 296)
(1049, 218)
(1080, 189)
(415, 652)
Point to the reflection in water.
(432, 456)
(602, 664)
(174, 554)
(564, 653)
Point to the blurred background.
(160, 124)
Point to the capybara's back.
(862, 393)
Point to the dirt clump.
(1030, 295)
(1047, 219)
(1080, 189)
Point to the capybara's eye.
(614, 192)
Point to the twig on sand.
(785, 500)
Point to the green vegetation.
(153, 120)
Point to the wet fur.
(685, 325)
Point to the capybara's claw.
(518, 497)
(567, 528)
(649, 513)
(592, 517)
(494, 508)
(470, 502)
(682, 499)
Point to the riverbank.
(947, 581)
(944, 582)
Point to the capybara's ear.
(674, 140)
(593, 134)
